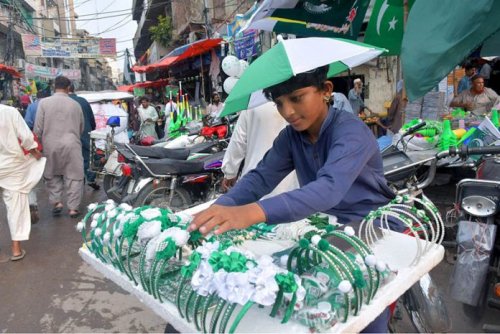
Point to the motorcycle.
(423, 301)
(475, 280)
(176, 182)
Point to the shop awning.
(11, 70)
(180, 53)
(125, 88)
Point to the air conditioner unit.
(20, 63)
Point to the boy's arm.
(346, 159)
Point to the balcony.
(148, 19)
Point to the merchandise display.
(325, 278)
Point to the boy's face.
(305, 108)
(145, 103)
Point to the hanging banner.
(240, 20)
(32, 71)
(36, 46)
(247, 46)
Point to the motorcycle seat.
(184, 167)
(161, 152)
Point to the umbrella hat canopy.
(291, 57)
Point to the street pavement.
(53, 290)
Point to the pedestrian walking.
(19, 173)
(89, 125)
(148, 117)
(59, 124)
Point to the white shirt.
(18, 172)
(252, 137)
(214, 110)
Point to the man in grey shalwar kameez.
(59, 124)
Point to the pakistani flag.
(317, 18)
(431, 49)
(386, 25)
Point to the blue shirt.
(31, 114)
(341, 102)
(88, 120)
(341, 174)
(464, 84)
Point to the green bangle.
(240, 316)
(215, 317)
(178, 298)
(196, 310)
(192, 294)
(204, 311)
(142, 272)
(226, 317)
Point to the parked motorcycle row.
(177, 173)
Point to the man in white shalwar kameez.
(19, 173)
(252, 137)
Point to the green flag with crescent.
(386, 25)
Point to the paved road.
(52, 290)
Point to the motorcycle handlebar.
(464, 151)
(414, 128)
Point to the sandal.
(56, 211)
(18, 257)
(74, 213)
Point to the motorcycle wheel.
(426, 307)
(108, 183)
(159, 196)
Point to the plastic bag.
(475, 243)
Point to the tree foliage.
(162, 32)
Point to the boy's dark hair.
(315, 78)
(61, 82)
(469, 66)
(215, 94)
(143, 98)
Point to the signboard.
(31, 71)
(248, 45)
(36, 46)
(139, 91)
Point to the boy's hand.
(226, 218)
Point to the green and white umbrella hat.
(291, 57)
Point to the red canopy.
(125, 88)
(180, 53)
(11, 70)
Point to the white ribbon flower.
(152, 213)
(184, 218)
(80, 226)
(112, 213)
(237, 288)
(106, 237)
(207, 248)
(149, 230)
(92, 206)
(179, 235)
(202, 280)
(266, 286)
(126, 207)
(93, 224)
